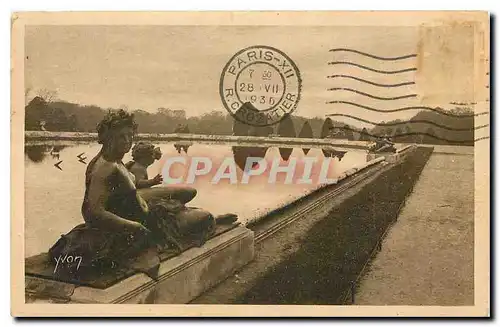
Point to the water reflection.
(332, 153)
(285, 153)
(306, 132)
(37, 153)
(53, 203)
(326, 128)
(286, 128)
(55, 151)
(241, 153)
(182, 147)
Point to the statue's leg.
(182, 194)
(194, 220)
(198, 220)
(225, 219)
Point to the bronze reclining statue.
(124, 216)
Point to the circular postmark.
(260, 85)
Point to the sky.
(179, 67)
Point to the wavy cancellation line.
(408, 122)
(370, 82)
(408, 108)
(371, 95)
(373, 56)
(481, 138)
(421, 133)
(373, 69)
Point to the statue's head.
(145, 153)
(116, 132)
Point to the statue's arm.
(141, 178)
(145, 183)
(98, 195)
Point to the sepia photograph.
(250, 164)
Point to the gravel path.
(427, 257)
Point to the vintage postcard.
(250, 164)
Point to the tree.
(428, 138)
(408, 138)
(27, 91)
(47, 95)
(407, 129)
(348, 134)
(397, 135)
(364, 135)
(462, 111)
(164, 111)
(72, 123)
(179, 114)
(35, 112)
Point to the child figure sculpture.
(144, 154)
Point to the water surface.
(53, 197)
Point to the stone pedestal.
(180, 279)
(373, 156)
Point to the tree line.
(58, 115)
(455, 126)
